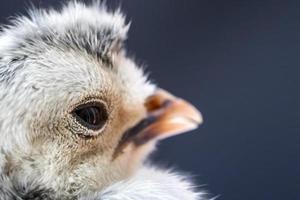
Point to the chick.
(79, 117)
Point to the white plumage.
(150, 183)
(71, 103)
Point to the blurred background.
(239, 63)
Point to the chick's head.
(77, 113)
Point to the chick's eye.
(92, 116)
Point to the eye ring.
(91, 115)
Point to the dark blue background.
(238, 62)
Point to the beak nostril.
(166, 103)
(158, 100)
(155, 105)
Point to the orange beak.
(172, 116)
(167, 115)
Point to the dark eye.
(92, 115)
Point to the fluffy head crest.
(88, 28)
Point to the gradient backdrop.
(239, 63)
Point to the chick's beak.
(167, 115)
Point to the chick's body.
(58, 66)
